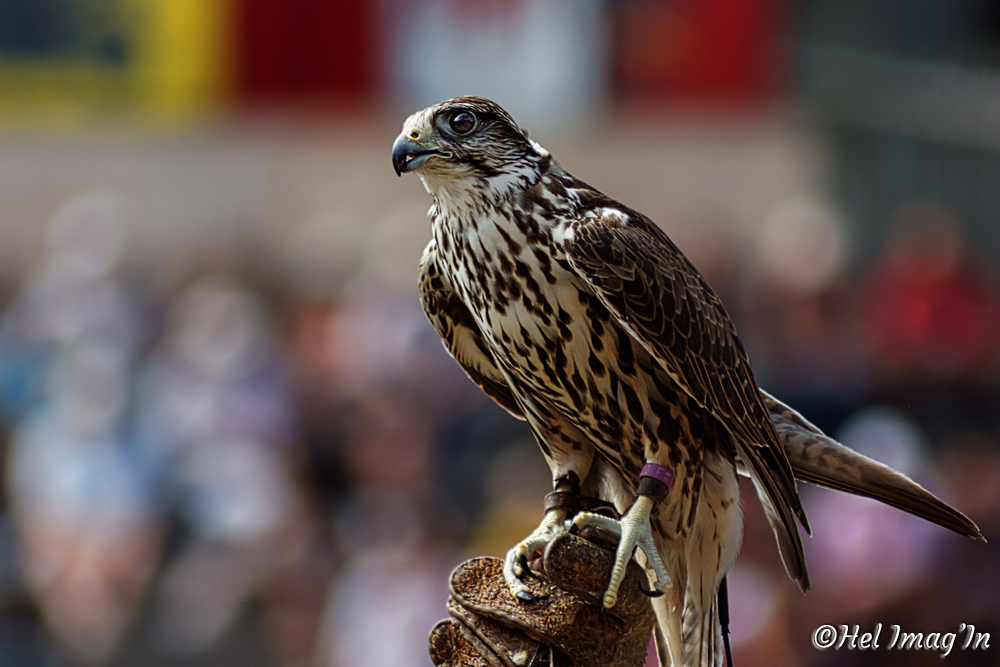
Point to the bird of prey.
(579, 315)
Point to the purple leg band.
(658, 473)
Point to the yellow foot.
(635, 532)
(553, 525)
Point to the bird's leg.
(635, 531)
(558, 505)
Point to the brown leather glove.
(567, 627)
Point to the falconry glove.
(566, 625)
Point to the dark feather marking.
(512, 245)
(632, 403)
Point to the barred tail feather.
(694, 641)
(669, 632)
(688, 630)
(787, 537)
(820, 460)
(702, 636)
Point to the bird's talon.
(635, 532)
(584, 519)
(653, 593)
(523, 593)
(516, 564)
(522, 561)
(526, 596)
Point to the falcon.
(580, 316)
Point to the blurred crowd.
(207, 460)
(217, 452)
(190, 459)
(897, 357)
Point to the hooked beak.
(408, 155)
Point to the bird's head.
(468, 145)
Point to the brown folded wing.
(663, 302)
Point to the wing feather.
(658, 296)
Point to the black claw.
(525, 570)
(650, 594)
(525, 596)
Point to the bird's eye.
(462, 122)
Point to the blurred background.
(227, 434)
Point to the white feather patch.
(563, 233)
(613, 217)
